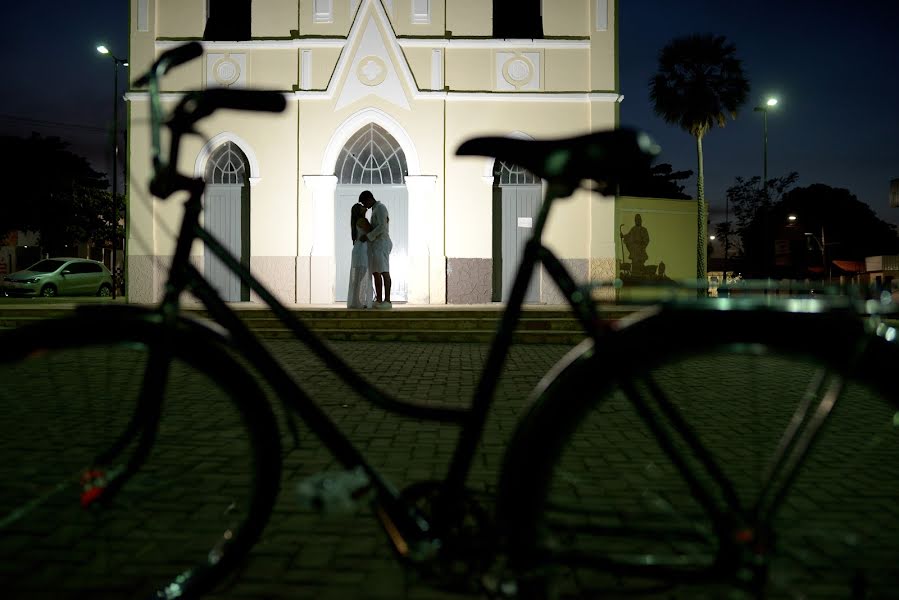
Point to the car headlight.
(31, 280)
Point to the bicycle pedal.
(334, 491)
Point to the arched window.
(371, 157)
(227, 165)
(508, 174)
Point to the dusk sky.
(833, 65)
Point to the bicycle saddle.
(604, 157)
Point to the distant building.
(380, 94)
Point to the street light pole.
(770, 102)
(726, 233)
(115, 157)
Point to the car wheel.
(105, 290)
(48, 291)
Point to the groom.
(379, 248)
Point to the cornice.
(296, 96)
(338, 43)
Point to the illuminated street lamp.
(769, 103)
(763, 108)
(115, 152)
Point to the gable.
(372, 63)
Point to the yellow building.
(380, 94)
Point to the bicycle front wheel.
(197, 501)
(592, 502)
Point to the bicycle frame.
(184, 276)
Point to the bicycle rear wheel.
(591, 503)
(189, 513)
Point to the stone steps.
(539, 325)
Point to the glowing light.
(771, 101)
(102, 49)
(792, 217)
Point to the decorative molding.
(572, 97)
(322, 11)
(143, 15)
(226, 70)
(216, 141)
(602, 15)
(487, 43)
(319, 42)
(224, 46)
(371, 71)
(531, 97)
(306, 69)
(518, 71)
(372, 35)
(421, 12)
(436, 69)
(355, 122)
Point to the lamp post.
(115, 154)
(763, 108)
(822, 244)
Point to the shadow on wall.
(636, 240)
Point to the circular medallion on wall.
(518, 71)
(371, 70)
(226, 71)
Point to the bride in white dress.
(360, 292)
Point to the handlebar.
(198, 105)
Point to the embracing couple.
(371, 254)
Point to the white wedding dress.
(361, 292)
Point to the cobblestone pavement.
(197, 477)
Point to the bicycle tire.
(581, 442)
(193, 509)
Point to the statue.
(636, 240)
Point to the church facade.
(380, 94)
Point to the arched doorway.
(226, 213)
(373, 160)
(516, 202)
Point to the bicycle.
(681, 520)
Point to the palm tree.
(700, 81)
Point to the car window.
(46, 266)
(83, 267)
(76, 268)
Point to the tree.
(752, 209)
(835, 217)
(55, 193)
(700, 81)
(851, 230)
(660, 181)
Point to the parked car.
(60, 277)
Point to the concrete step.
(541, 325)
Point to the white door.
(520, 205)
(222, 220)
(396, 199)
